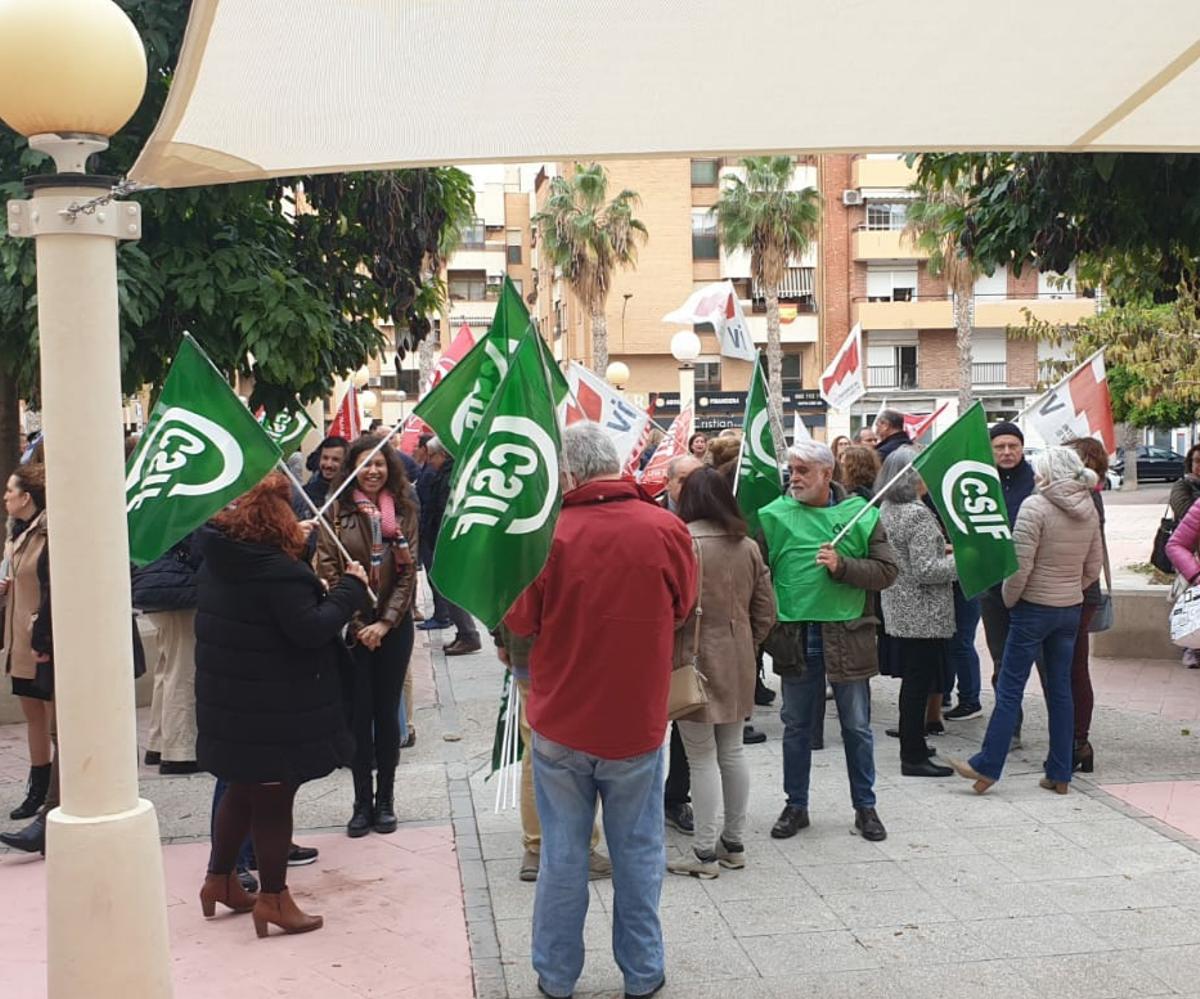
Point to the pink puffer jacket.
(1181, 548)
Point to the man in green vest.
(827, 626)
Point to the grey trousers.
(720, 776)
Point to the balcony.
(989, 373)
(1052, 308)
(881, 173)
(923, 315)
(891, 376)
(885, 244)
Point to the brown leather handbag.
(688, 692)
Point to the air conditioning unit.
(852, 197)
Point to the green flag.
(201, 449)
(287, 428)
(454, 408)
(758, 479)
(505, 495)
(964, 485)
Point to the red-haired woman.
(268, 699)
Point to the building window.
(512, 245)
(560, 320)
(474, 235)
(467, 286)
(519, 285)
(407, 380)
(792, 371)
(708, 376)
(705, 173)
(887, 216)
(705, 244)
(892, 284)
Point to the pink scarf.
(382, 519)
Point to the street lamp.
(617, 374)
(685, 348)
(72, 72)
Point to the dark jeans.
(378, 683)
(1034, 630)
(964, 660)
(1081, 677)
(995, 629)
(441, 610)
(922, 660)
(678, 789)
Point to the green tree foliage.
(589, 237)
(286, 288)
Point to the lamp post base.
(106, 912)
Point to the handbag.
(1185, 619)
(1102, 619)
(1158, 555)
(688, 692)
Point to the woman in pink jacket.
(1181, 548)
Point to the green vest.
(804, 590)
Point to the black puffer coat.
(268, 654)
(169, 582)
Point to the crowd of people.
(282, 652)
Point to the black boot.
(360, 821)
(39, 784)
(385, 811)
(31, 839)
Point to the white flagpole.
(350, 476)
(515, 779)
(323, 523)
(874, 500)
(504, 742)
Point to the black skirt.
(30, 688)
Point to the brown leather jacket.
(396, 591)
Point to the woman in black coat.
(268, 702)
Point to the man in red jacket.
(620, 579)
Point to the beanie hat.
(1006, 429)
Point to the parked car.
(1153, 463)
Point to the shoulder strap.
(699, 601)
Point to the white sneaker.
(730, 858)
(695, 867)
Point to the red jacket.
(621, 577)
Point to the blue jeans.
(1034, 630)
(853, 701)
(964, 660)
(566, 783)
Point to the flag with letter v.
(201, 449)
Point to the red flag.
(916, 426)
(842, 383)
(348, 421)
(1078, 406)
(654, 477)
(459, 347)
(632, 464)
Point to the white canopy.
(282, 87)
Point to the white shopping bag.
(1185, 619)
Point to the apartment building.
(683, 252)
(872, 274)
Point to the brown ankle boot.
(226, 889)
(282, 910)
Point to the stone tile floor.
(1018, 893)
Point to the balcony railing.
(989, 373)
(891, 376)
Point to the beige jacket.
(738, 605)
(1059, 552)
(23, 600)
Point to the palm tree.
(588, 237)
(936, 224)
(763, 215)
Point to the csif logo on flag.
(492, 487)
(972, 496)
(471, 408)
(760, 444)
(186, 455)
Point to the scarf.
(384, 531)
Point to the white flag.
(842, 383)
(719, 305)
(592, 398)
(1078, 406)
(799, 430)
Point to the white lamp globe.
(617, 374)
(69, 66)
(361, 377)
(685, 346)
(368, 400)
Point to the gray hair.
(588, 453)
(892, 417)
(813, 452)
(679, 459)
(1060, 464)
(906, 488)
(435, 446)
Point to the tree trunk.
(425, 361)
(599, 342)
(962, 326)
(775, 372)
(10, 425)
(1129, 435)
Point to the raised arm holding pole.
(350, 478)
